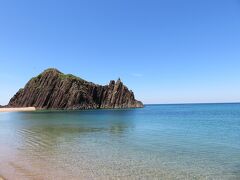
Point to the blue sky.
(166, 51)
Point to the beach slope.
(17, 110)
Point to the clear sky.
(166, 51)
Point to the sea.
(181, 141)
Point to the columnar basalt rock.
(55, 90)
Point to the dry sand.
(17, 110)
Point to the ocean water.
(194, 141)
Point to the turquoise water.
(198, 141)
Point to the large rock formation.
(55, 90)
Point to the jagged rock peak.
(119, 80)
(54, 90)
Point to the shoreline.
(17, 110)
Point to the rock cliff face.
(55, 90)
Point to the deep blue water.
(189, 141)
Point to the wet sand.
(17, 110)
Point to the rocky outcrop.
(55, 90)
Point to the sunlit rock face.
(55, 90)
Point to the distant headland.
(54, 90)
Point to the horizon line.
(192, 103)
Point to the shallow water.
(198, 141)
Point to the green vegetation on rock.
(70, 76)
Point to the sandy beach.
(17, 110)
